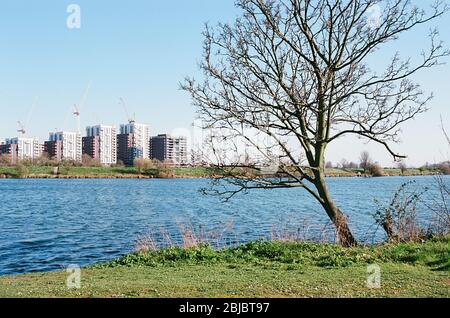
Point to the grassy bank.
(261, 269)
(178, 172)
(99, 172)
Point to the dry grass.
(188, 237)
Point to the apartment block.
(101, 144)
(26, 148)
(91, 146)
(125, 151)
(133, 142)
(168, 148)
(64, 146)
(54, 149)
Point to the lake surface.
(47, 225)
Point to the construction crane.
(77, 108)
(21, 126)
(77, 113)
(124, 105)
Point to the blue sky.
(141, 50)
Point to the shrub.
(5, 160)
(376, 171)
(440, 206)
(21, 170)
(119, 164)
(399, 218)
(63, 170)
(88, 161)
(142, 164)
(444, 168)
(164, 169)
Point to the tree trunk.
(344, 233)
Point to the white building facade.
(141, 137)
(71, 145)
(27, 148)
(107, 142)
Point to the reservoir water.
(47, 225)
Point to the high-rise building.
(64, 146)
(26, 148)
(91, 146)
(53, 149)
(100, 143)
(168, 148)
(133, 142)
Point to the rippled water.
(48, 224)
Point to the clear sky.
(140, 50)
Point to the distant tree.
(5, 160)
(164, 169)
(365, 161)
(299, 70)
(444, 167)
(329, 165)
(402, 166)
(343, 164)
(43, 160)
(88, 161)
(139, 164)
(143, 164)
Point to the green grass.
(259, 269)
(189, 172)
(106, 171)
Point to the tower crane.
(21, 126)
(124, 105)
(77, 108)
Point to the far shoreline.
(108, 173)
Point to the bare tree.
(365, 161)
(5, 160)
(402, 166)
(297, 72)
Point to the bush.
(444, 168)
(142, 164)
(63, 170)
(399, 218)
(88, 161)
(119, 164)
(164, 169)
(5, 160)
(21, 170)
(376, 171)
(440, 206)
